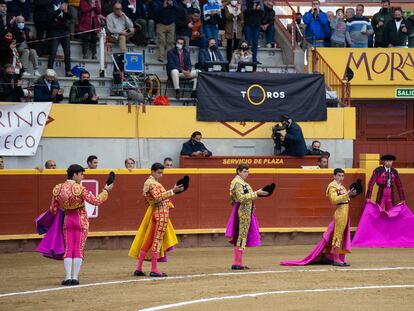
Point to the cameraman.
(293, 141)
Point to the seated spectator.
(50, 165)
(194, 147)
(323, 161)
(233, 16)
(1, 163)
(242, 55)
(301, 32)
(379, 20)
(47, 88)
(196, 38)
(396, 31)
(59, 29)
(358, 29)
(7, 45)
(182, 23)
(293, 141)
(119, 26)
(315, 149)
(338, 27)
(135, 11)
(28, 55)
(130, 164)
(316, 22)
(209, 54)
(268, 23)
(211, 19)
(90, 19)
(82, 91)
(168, 162)
(410, 20)
(92, 162)
(179, 66)
(10, 86)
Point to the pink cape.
(316, 254)
(392, 228)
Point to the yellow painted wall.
(377, 72)
(176, 122)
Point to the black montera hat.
(388, 157)
(357, 186)
(268, 188)
(185, 182)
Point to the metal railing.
(286, 15)
(332, 81)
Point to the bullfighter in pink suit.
(384, 223)
(70, 196)
(386, 177)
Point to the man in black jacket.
(59, 28)
(165, 12)
(294, 141)
(182, 23)
(268, 23)
(194, 147)
(42, 11)
(10, 87)
(209, 54)
(396, 31)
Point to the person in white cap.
(47, 88)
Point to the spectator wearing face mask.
(300, 28)
(82, 91)
(179, 66)
(28, 55)
(242, 54)
(379, 20)
(210, 54)
(396, 31)
(7, 44)
(47, 88)
(233, 15)
(10, 86)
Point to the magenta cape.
(232, 231)
(316, 254)
(392, 228)
(52, 244)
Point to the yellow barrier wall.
(177, 122)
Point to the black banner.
(260, 97)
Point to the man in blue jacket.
(179, 66)
(294, 141)
(316, 25)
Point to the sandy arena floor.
(201, 279)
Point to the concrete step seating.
(271, 58)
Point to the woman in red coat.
(90, 10)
